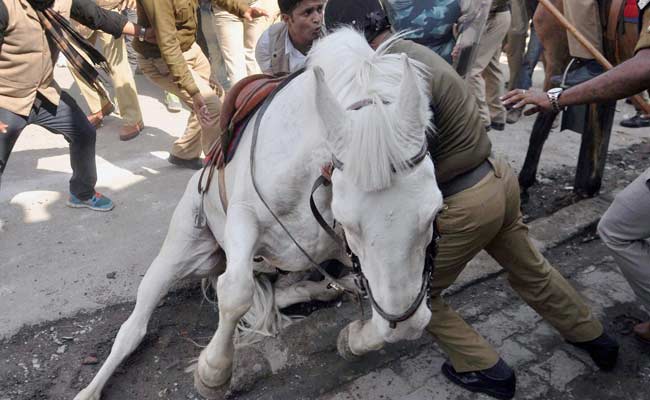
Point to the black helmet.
(367, 16)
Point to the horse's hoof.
(207, 392)
(343, 345)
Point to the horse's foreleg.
(186, 250)
(304, 291)
(235, 292)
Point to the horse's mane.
(378, 138)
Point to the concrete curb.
(313, 340)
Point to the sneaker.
(636, 122)
(98, 202)
(603, 351)
(498, 126)
(172, 102)
(514, 115)
(498, 381)
(131, 131)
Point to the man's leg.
(517, 40)
(625, 229)
(489, 44)
(15, 125)
(125, 90)
(254, 29)
(230, 33)
(68, 119)
(531, 275)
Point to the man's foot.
(131, 131)
(172, 102)
(603, 350)
(642, 332)
(499, 381)
(582, 71)
(96, 118)
(192, 163)
(498, 126)
(98, 202)
(514, 115)
(636, 122)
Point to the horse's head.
(384, 188)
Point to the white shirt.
(263, 53)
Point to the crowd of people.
(196, 60)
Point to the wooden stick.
(636, 99)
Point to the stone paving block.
(384, 384)
(539, 338)
(497, 328)
(524, 315)
(515, 354)
(438, 388)
(418, 370)
(608, 282)
(529, 387)
(559, 370)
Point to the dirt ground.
(55, 360)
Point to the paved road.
(55, 260)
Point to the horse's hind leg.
(186, 250)
(235, 290)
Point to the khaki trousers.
(486, 79)
(238, 39)
(487, 216)
(195, 139)
(125, 90)
(585, 16)
(517, 39)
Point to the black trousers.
(66, 119)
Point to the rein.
(429, 265)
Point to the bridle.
(362, 282)
(323, 180)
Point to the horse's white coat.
(387, 216)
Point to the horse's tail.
(262, 319)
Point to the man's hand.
(127, 5)
(519, 98)
(150, 36)
(3, 127)
(255, 12)
(455, 52)
(201, 111)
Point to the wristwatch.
(141, 33)
(554, 97)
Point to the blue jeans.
(533, 52)
(66, 119)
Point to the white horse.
(385, 204)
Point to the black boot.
(603, 350)
(498, 381)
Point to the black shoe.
(636, 122)
(603, 350)
(583, 71)
(487, 128)
(498, 126)
(499, 381)
(192, 163)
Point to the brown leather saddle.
(240, 102)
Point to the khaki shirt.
(26, 60)
(644, 34)
(175, 23)
(460, 142)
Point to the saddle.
(239, 104)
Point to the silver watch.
(554, 97)
(141, 33)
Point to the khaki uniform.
(115, 52)
(485, 216)
(585, 16)
(238, 38)
(644, 33)
(177, 64)
(486, 78)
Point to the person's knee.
(608, 232)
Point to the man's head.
(367, 16)
(304, 18)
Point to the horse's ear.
(410, 95)
(331, 112)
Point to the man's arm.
(4, 22)
(241, 9)
(87, 13)
(624, 80)
(263, 52)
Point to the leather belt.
(465, 180)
